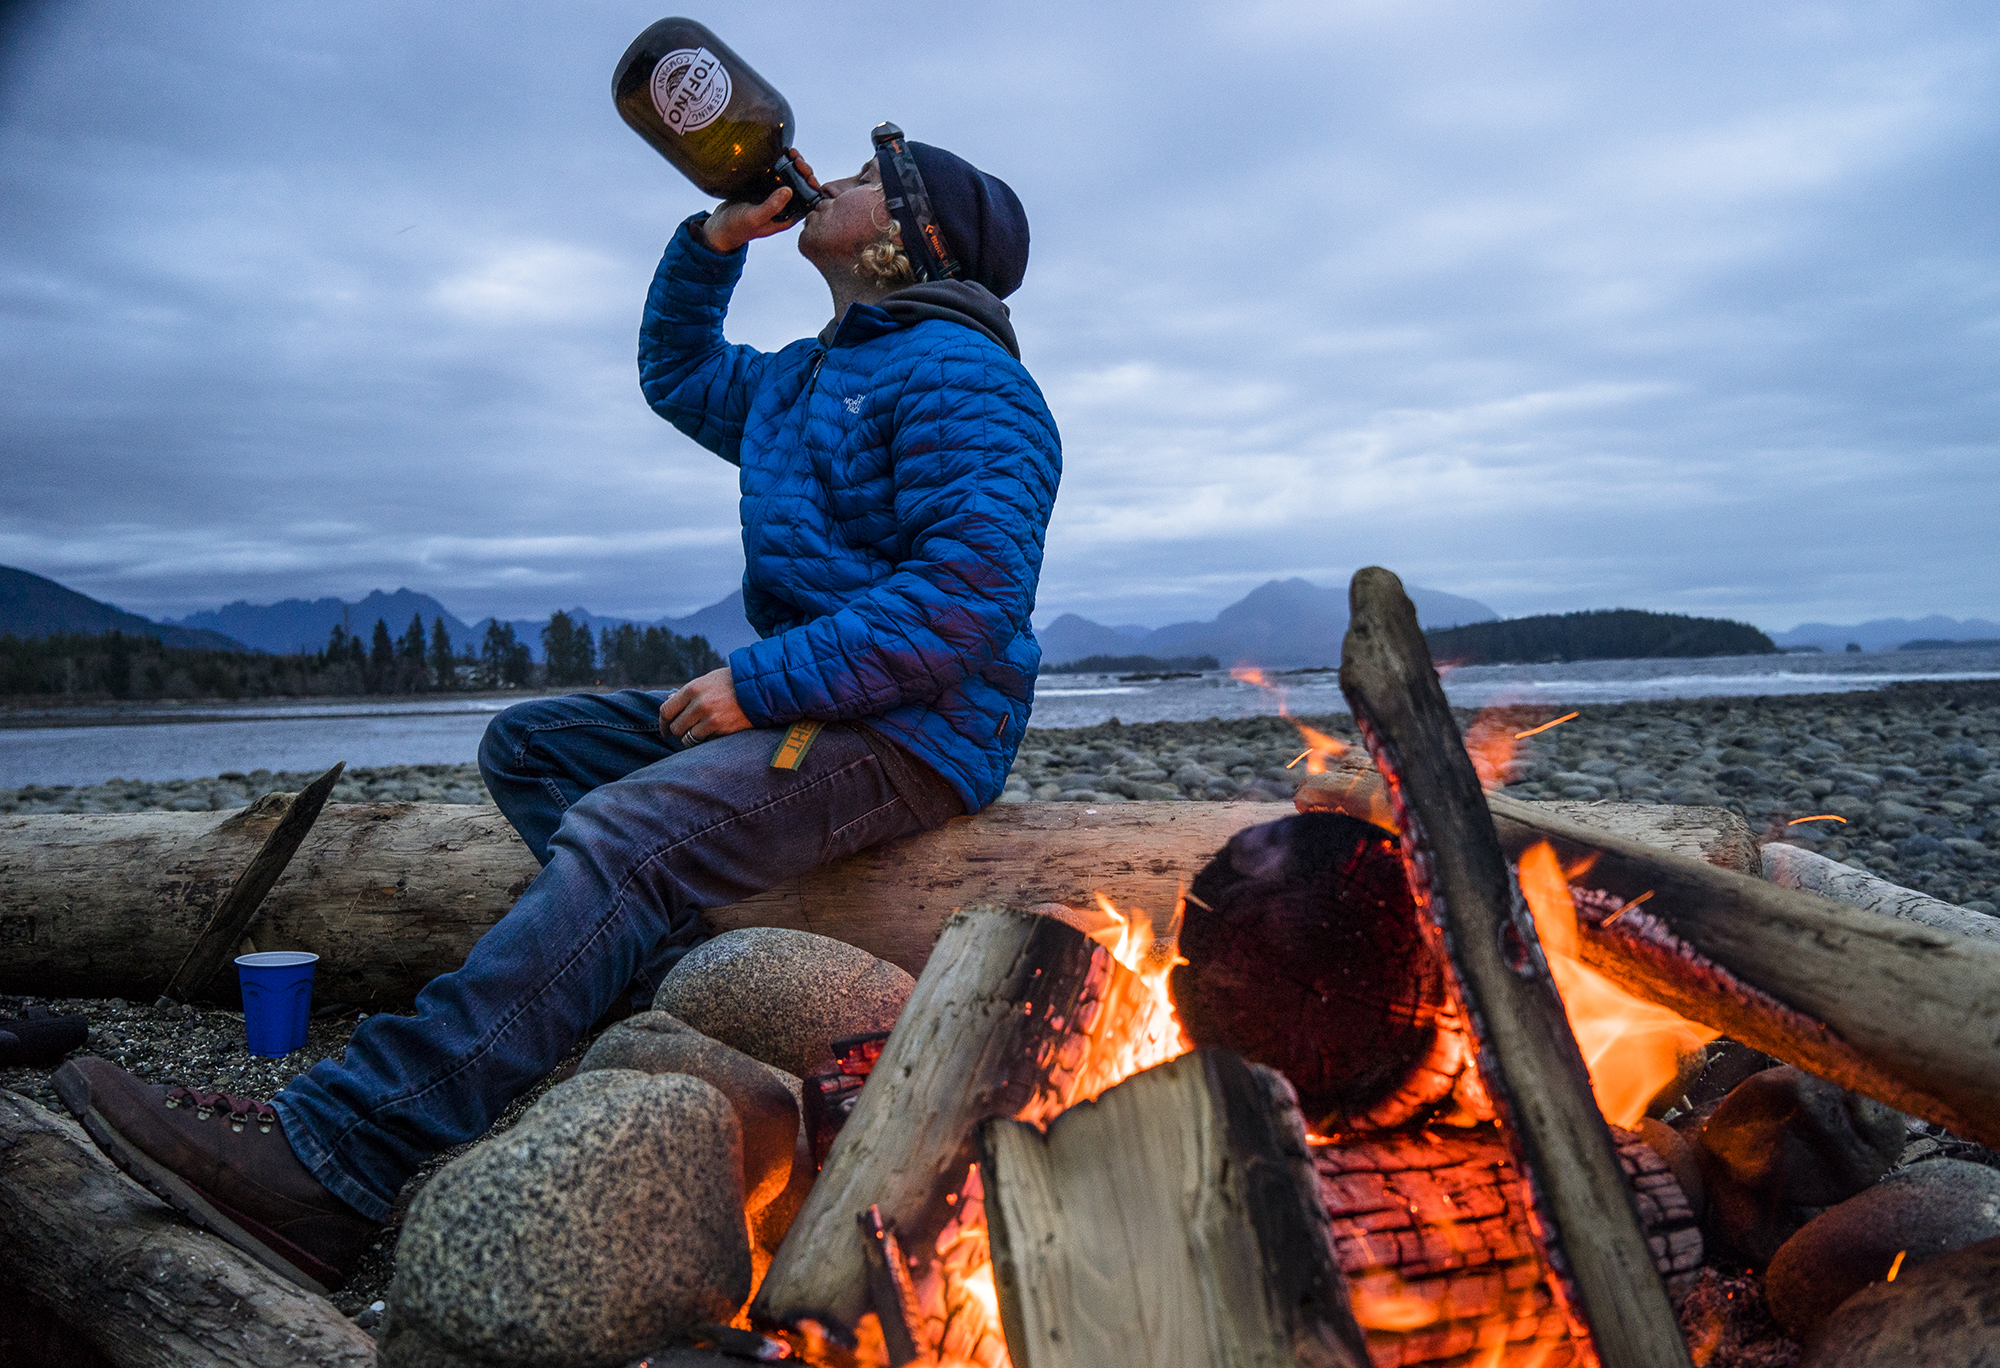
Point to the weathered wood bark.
(1902, 1011)
(391, 895)
(211, 950)
(1528, 1060)
(1010, 1018)
(144, 1286)
(1810, 872)
(1431, 1229)
(1175, 1220)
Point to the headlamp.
(905, 197)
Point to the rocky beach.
(1902, 781)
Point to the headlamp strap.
(912, 207)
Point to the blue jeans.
(636, 834)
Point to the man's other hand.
(703, 708)
(732, 224)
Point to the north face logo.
(853, 405)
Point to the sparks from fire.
(1536, 731)
(1822, 817)
(1321, 749)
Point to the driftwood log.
(391, 895)
(1176, 1220)
(1528, 1061)
(1903, 1011)
(90, 1246)
(1810, 872)
(1431, 1226)
(295, 813)
(1016, 1015)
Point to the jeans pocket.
(884, 823)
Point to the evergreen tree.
(411, 656)
(444, 670)
(381, 659)
(569, 650)
(504, 661)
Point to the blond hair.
(885, 264)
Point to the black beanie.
(985, 229)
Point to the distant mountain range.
(1886, 634)
(32, 607)
(1284, 622)
(304, 624)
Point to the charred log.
(1016, 1015)
(1305, 954)
(1431, 1229)
(1528, 1061)
(1176, 1220)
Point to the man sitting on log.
(898, 472)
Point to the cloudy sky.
(1557, 305)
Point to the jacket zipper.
(812, 382)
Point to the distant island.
(1134, 664)
(1603, 634)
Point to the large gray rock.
(607, 1222)
(784, 996)
(1921, 1213)
(661, 1043)
(1944, 1315)
(1782, 1147)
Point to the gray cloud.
(1553, 306)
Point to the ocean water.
(185, 741)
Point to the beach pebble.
(1784, 1145)
(658, 1043)
(1918, 1213)
(522, 1252)
(1946, 1314)
(783, 996)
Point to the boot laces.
(241, 1110)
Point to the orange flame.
(1491, 743)
(1321, 749)
(1633, 1047)
(1157, 1035)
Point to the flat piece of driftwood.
(1175, 1220)
(1431, 1228)
(390, 895)
(238, 908)
(1012, 1017)
(1527, 1058)
(145, 1287)
(1901, 1010)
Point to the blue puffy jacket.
(897, 476)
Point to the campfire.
(1368, 1090)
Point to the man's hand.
(703, 708)
(735, 223)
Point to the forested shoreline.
(1603, 634)
(119, 665)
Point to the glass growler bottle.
(705, 110)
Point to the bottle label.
(690, 88)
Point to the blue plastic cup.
(277, 999)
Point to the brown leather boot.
(223, 1162)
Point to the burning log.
(1901, 1011)
(1176, 1220)
(1016, 1015)
(1528, 1061)
(141, 1284)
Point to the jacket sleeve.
(976, 460)
(690, 376)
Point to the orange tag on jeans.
(792, 750)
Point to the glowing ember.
(1537, 731)
(1633, 1047)
(1822, 817)
(1320, 748)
